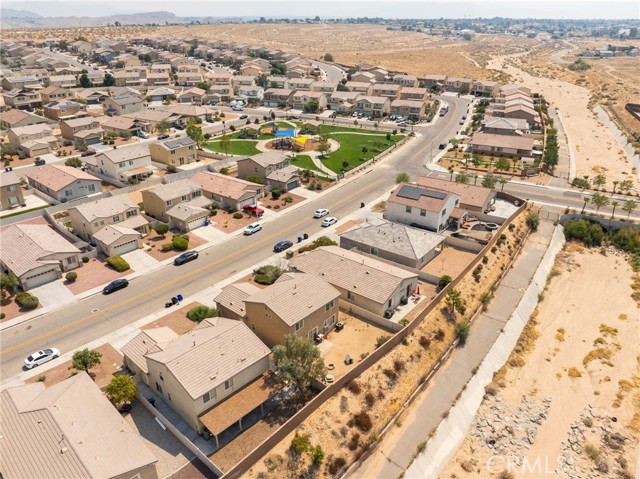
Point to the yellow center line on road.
(369, 186)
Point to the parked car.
(178, 126)
(185, 257)
(253, 210)
(39, 162)
(392, 117)
(329, 221)
(402, 125)
(320, 213)
(41, 357)
(442, 146)
(88, 153)
(244, 117)
(164, 136)
(252, 228)
(143, 134)
(282, 245)
(115, 285)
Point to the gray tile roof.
(106, 207)
(176, 189)
(146, 342)
(232, 296)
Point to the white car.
(320, 213)
(41, 357)
(252, 228)
(329, 221)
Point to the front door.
(312, 334)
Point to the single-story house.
(63, 183)
(508, 146)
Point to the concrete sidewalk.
(565, 170)
(396, 451)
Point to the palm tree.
(629, 206)
(615, 185)
(502, 181)
(586, 200)
(614, 204)
(600, 201)
(451, 171)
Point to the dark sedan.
(185, 257)
(282, 245)
(115, 286)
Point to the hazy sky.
(352, 8)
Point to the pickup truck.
(253, 210)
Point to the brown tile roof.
(502, 141)
(424, 198)
(58, 177)
(225, 186)
(232, 296)
(145, 342)
(469, 194)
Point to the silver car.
(41, 357)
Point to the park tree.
(629, 206)
(84, 81)
(121, 390)
(403, 178)
(324, 145)
(225, 143)
(85, 359)
(298, 363)
(108, 80)
(8, 283)
(462, 177)
(489, 181)
(599, 201)
(194, 132)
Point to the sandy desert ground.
(569, 396)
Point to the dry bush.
(337, 464)
(390, 373)
(398, 365)
(574, 373)
(370, 400)
(354, 387)
(354, 441)
(505, 475)
(425, 342)
(439, 336)
(362, 421)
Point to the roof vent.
(212, 378)
(194, 343)
(63, 450)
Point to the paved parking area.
(210, 234)
(52, 293)
(139, 260)
(504, 209)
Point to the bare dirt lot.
(176, 320)
(582, 371)
(451, 262)
(156, 242)
(93, 274)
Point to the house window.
(349, 295)
(389, 304)
(158, 387)
(130, 162)
(116, 219)
(96, 224)
(407, 209)
(70, 260)
(374, 251)
(423, 212)
(228, 384)
(68, 192)
(169, 396)
(329, 305)
(444, 212)
(13, 200)
(131, 213)
(173, 152)
(161, 377)
(11, 188)
(92, 188)
(184, 197)
(298, 326)
(169, 203)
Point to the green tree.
(108, 80)
(599, 201)
(443, 281)
(194, 132)
(324, 145)
(615, 204)
(629, 206)
(502, 181)
(463, 177)
(74, 162)
(626, 185)
(462, 331)
(586, 200)
(403, 178)
(533, 221)
(163, 126)
(453, 302)
(201, 312)
(503, 164)
(161, 229)
(451, 172)
(317, 455)
(311, 106)
(255, 179)
(121, 390)
(298, 363)
(85, 82)
(203, 85)
(8, 283)
(615, 185)
(328, 57)
(225, 143)
(489, 181)
(85, 359)
(600, 180)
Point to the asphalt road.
(96, 316)
(333, 73)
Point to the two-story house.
(85, 130)
(122, 104)
(372, 106)
(276, 81)
(22, 99)
(252, 94)
(363, 88)
(122, 163)
(10, 191)
(179, 151)
(26, 82)
(159, 201)
(227, 192)
(410, 109)
(64, 110)
(419, 206)
(160, 78)
(114, 224)
(414, 94)
(63, 183)
(343, 101)
(327, 87)
(193, 95)
(272, 168)
(509, 146)
(276, 97)
(387, 90)
(55, 93)
(33, 140)
(301, 98)
(405, 80)
(63, 81)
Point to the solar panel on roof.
(414, 193)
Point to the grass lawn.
(351, 150)
(304, 162)
(343, 129)
(238, 147)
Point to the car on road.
(320, 213)
(164, 136)
(442, 146)
(115, 285)
(186, 257)
(402, 125)
(244, 117)
(282, 245)
(39, 162)
(88, 153)
(329, 221)
(355, 115)
(392, 118)
(253, 210)
(252, 228)
(41, 357)
(143, 134)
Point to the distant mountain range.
(11, 18)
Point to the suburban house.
(79, 434)
(509, 146)
(85, 130)
(252, 94)
(276, 97)
(63, 81)
(33, 140)
(239, 80)
(476, 199)
(21, 82)
(343, 101)
(300, 98)
(121, 104)
(64, 110)
(228, 192)
(359, 87)
(188, 78)
(63, 183)
(365, 284)
(219, 78)
(198, 370)
(272, 167)
(129, 78)
(16, 118)
(191, 95)
(395, 242)
(410, 109)
(485, 88)
(114, 224)
(180, 151)
(327, 87)
(372, 106)
(36, 254)
(387, 90)
(230, 300)
(414, 94)
(424, 207)
(363, 77)
(54, 93)
(275, 81)
(433, 82)
(10, 191)
(122, 163)
(185, 112)
(179, 203)
(160, 78)
(219, 93)
(22, 99)
(505, 126)
(121, 125)
(91, 96)
(405, 80)
(460, 85)
(300, 84)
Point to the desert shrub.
(398, 365)
(439, 336)
(362, 421)
(71, 277)
(505, 474)
(161, 229)
(238, 216)
(171, 168)
(336, 465)
(118, 263)
(267, 274)
(275, 194)
(27, 301)
(21, 297)
(85, 259)
(354, 441)
(167, 247)
(370, 400)
(180, 243)
(74, 162)
(443, 281)
(354, 387)
(199, 313)
(300, 443)
(627, 239)
(589, 232)
(380, 340)
(425, 342)
(462, 331)
(317, 455)
(533, 221)
(390, 373)
(262, 279)
(213, 212)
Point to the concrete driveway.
(140, 261)
(52, 293)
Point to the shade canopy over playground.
(291, 133)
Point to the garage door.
(292, 185)
(193, 224)
(92, 141)
(124, 248)
(40, 278)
